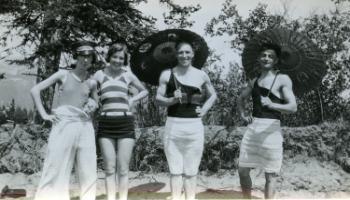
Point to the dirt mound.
(326, 142)
(22, 148)
(305, 173)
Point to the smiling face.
(184, 54)
(117, 59)
(268, 59)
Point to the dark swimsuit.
(260, 111)
(191, 98)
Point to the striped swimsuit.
(116, 120)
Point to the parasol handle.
(273, 82)
(176, 84)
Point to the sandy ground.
(300, 178)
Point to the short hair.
(179, 43)
(274, 47)
(117, 48)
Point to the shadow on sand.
(149, 191)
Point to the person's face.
(117, 59)
(184, 54)
(85, 60)
(268, 59)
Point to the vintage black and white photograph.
(174, 99)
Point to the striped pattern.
(114, 92)
(261, 146)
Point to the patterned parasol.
(157, 52)
(300, 58)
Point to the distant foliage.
(227, 87)
(330, 32)
(178, 16)
(148, 112)
(50, 28)
(3, 116)
(15, 114)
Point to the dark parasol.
(299, 57)
(157, 53)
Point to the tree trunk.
(321, 104)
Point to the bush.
(23, 149)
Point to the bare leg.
(125, 148)
(246, 182)
(270, 185)
(190, 184)
(176, 184)
(107, 146)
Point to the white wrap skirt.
(261, 146)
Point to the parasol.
(157, 53)
(300, 58)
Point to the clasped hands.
(201, 111)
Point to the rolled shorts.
(183, 145)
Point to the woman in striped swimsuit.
(115, 132)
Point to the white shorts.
(261, 146)
(183, 145)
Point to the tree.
(224, 111)
(178, 16)
(49, 27)
(319, 104)
(3, 116)
(20, 115)
(11, 110)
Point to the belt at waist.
(183, 110)
(71, 113)
(116, 113)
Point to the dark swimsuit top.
(260, 111)
(191, 98)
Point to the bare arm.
(92, 104)
(93, 93)
(245, 94)
(35, 92)
(287, 92)
(160, 97)
(212, 95)
(139, 86)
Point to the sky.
(17, 86)
(212, 8)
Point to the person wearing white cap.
(72, 139)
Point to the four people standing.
(188, 95)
